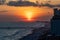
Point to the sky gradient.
(12, 13)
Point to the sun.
(29, 15)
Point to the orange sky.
(42, 13)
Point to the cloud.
(50, 5)
(21, 3)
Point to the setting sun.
(29, 15)
(32, 13)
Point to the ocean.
(17, 32)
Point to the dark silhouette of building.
(55, 23)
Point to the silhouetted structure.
(55, 23)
